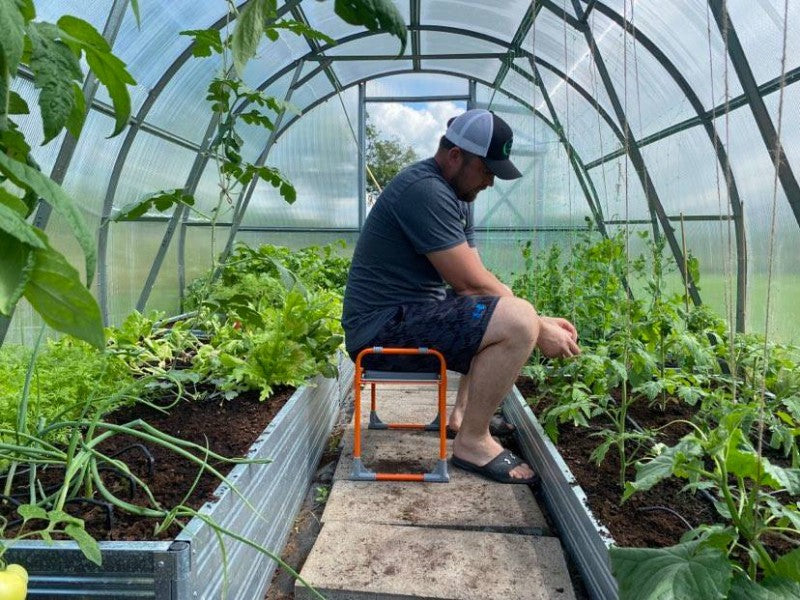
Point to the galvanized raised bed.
(585, 539)
(190, 568)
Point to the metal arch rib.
(578, 165)
(653, 199)
(757, 106)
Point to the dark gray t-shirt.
(418, 212)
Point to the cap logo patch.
(507, 148)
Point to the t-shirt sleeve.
(429, 215)
(469, 230)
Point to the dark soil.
(227, 427)
(648, 519)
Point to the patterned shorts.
(454, 327)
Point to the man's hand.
(558, 338)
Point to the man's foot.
(498, 469)
(498, 427)
(478, 454)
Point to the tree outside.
(386, 157)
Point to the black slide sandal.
(498, 469)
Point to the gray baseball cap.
(483, 133)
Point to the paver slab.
(464, 503)
(354, 561)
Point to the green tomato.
(13, 583)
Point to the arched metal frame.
(752, 93)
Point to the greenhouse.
(200, 200)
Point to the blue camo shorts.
(454, 327)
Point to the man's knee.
(515, 319)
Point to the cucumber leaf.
(686, 570)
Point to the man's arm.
(461, 267)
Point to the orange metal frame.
(360, 380)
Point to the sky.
(418, 125)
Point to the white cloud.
(419, 128)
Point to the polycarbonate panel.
(687, 34)
(153, 164)
(349, 72)
(649, 96)
(484, 70)
(90, 169)
(182, 108)
(501, 251)
(759, 25)
(319, 156)
(94, 11)
(713, 243)
(275, 56)
(435, 42)
(30, 126)
(207, 197)
(789, 123)
(620, 190)
(301, 239)
(320, 16)
(497, 18)
(754, 171)
(686, 174)
(588, 132)
(132, 250)
(150, 50)
(315, 89)
(561, 50)
(520, 87)
(413, 83)
(368, 44)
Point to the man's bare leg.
(506, 346)
(462, 397)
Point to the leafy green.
(16, 104)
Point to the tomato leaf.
(206, 41)
(29, 178)
(57, 294)
(375, 15)
(55, 68)
(77, 117)
(159, 201)
(16, 105)
(87, 544)
(12, 34)
(15, 270)
(109, 69)
(12, 223)
(678, 572)
(31, 511)
(249, 30)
